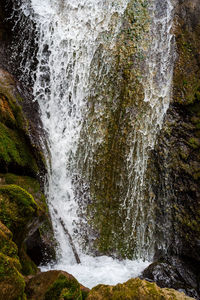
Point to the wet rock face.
(175, 274)
(22, 164)
(21, 159)
(15, 31)
(177, 151)
(12, 43)
(177, 161)
(20, 153)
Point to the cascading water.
(139, 202)
(69, 34)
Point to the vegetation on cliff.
(23, 210)
(110, 124)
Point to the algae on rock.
(109, 123)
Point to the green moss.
(194, 142)
(31, 185)
(64, 288)
(12, 283)
(186, 74)
(19, 195)
(7, 246)
(28, 266)
(15, 151)
(113, 115)
(10, 107)
(190, 225)
(134, 289)
(17, 209)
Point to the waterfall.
(70, 34)
(139, 201)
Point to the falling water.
(69, 33)
(139, 202)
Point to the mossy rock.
(28, 266)
(30, 184)
(134, 289)
(7, 246)
(55, 285)
(111, 119)
(64, 288)
(19, 149)
(15, 153)
(17, 210)
(12, 283)
(40, 236)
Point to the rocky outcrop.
(12, 283)
(175, 169)
(23, 210)
(110, 123)
(134, 289)
(174, 273)
(21, 154)
(39, 240)
(55, 285)
(177, 164)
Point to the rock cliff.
(177, 163)
(175, 170)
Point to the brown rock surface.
(52, 284)
(135, 289)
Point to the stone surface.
(19, 153)
(40, 243)
(12, 283)
(175, 274)
(134, 289)
(175, 170)
(54, 285)
(176, 159)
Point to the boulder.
(40, 243)
(176, 274)
(134, 289)
(18, 211)
(54, 285)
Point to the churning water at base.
(100, 270)
(69, 33)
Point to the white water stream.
(139, 202)
(69, 32)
